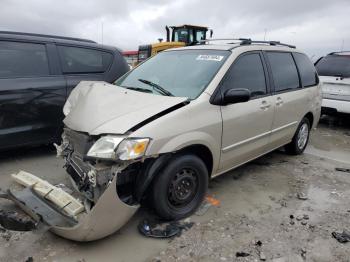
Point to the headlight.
(105, 147)
(132, 148)
(113, 147)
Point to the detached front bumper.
(107, 215)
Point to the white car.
(334, 72)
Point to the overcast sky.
(316, 26)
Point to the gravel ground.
(276, 208)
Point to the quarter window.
(307, 70)
(284, 71)
(247, 72)
(23, 59)
(77, 60)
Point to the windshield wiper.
(156, 87)
(139, 89)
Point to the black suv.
(37, 73)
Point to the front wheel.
(300, 139)
(180, 187)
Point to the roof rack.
(338, 52)
(49, 36)
(247, 41)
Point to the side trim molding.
(230, 147)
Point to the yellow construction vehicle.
(176, 36)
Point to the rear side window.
(247, 72)
(77, 60)
(307, 70)
(23, 60)
(284, 71)
(334, 65)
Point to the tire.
(300, 139)
(180, 187)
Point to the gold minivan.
(162, 130)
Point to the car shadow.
(334, 121)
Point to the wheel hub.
(182, 188)
(303, 136)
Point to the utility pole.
(342, 45)
(102, 31)
(265, 31)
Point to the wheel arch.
(310, 117)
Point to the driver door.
(247, 125)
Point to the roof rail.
(338, 52)
(49, 36)
(247, 41)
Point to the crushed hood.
(101, 108)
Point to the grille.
(80, 142)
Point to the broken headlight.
(113, 147)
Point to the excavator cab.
(176, 36)
(188, 34)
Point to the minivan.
(37, 74)
(164, 129)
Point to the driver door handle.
(265, 105)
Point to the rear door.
(31, 94)
(290, 99)
(246, 126)
(81, 63)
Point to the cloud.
(317, 26)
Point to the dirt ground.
(260, 214)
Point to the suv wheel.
(180, 187)
(300, 139)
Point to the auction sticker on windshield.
(210, 57)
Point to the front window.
(182, 73)
(334, 65)
(181, 35)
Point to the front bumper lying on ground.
(107, 215)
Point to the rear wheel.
(300, 139)
(180, 187)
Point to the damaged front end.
(107, 192)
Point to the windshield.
(334, 65)
(183, 73)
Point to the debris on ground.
(208, 202)
(342, 237)
(29, 259)
(302, 196)
(163, 230)
(242, 254)
(341, 169)
(213, 201)
(12, 220)
(303, 253)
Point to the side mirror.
(233, 96)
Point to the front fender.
(181, 141)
